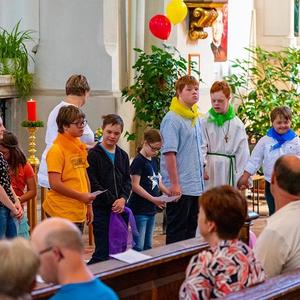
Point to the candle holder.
(32, 128)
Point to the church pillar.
(275, 24)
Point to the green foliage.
(267, 80)
(156, 74)
(14, 57)
(32, 123)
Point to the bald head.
(287, 174)
(57, 232)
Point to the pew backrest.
(159, 277)
(285, 286)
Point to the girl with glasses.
(146, 187)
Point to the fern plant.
(14, 57)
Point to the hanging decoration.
(160, 26)
(176, 11)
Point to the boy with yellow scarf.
(69, 196)
(182, 161)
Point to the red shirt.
(18, 181)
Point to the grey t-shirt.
(185, 140)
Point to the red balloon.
(160, 26)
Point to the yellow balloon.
(176, 11)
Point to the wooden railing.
(159, 277)
(285, 287)
(32, 209)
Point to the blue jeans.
(7, 225)
(23, 227)
(145, 226)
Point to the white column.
(71, 41)
(275, 24)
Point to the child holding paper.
(109, 172)
(279, 140)
(146, 187)
(69, 196)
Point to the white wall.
(71, 41)
(276, 19)
(11, 11)
(239, 23)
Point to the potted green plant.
(14, 58)
(264, 81)
(152, 92)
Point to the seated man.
(278, 246)
(19, 266)
(60, 245)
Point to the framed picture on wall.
(194, 64)
(219, 35)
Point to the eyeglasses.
(58, 251)
(45, 250)
(80, 123)
(154, 148)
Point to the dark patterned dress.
(5, 181)
(229, 267)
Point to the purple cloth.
(120, 236)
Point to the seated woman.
(229, 265)
(19, 267)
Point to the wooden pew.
(285, 286)
(159, 277)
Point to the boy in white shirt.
(279, 140)
(77, 93)
(225, 146)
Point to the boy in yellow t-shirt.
(69, 196)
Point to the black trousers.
(270, 199)
(182, 219)
(101, 235)
(100, 230)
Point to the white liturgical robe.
(225, 151)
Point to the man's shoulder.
(95, 288)
(284, 221)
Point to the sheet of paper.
(96, 193)
(168, 198)
(39, 279)
(130, 256)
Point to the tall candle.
(31, 110)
